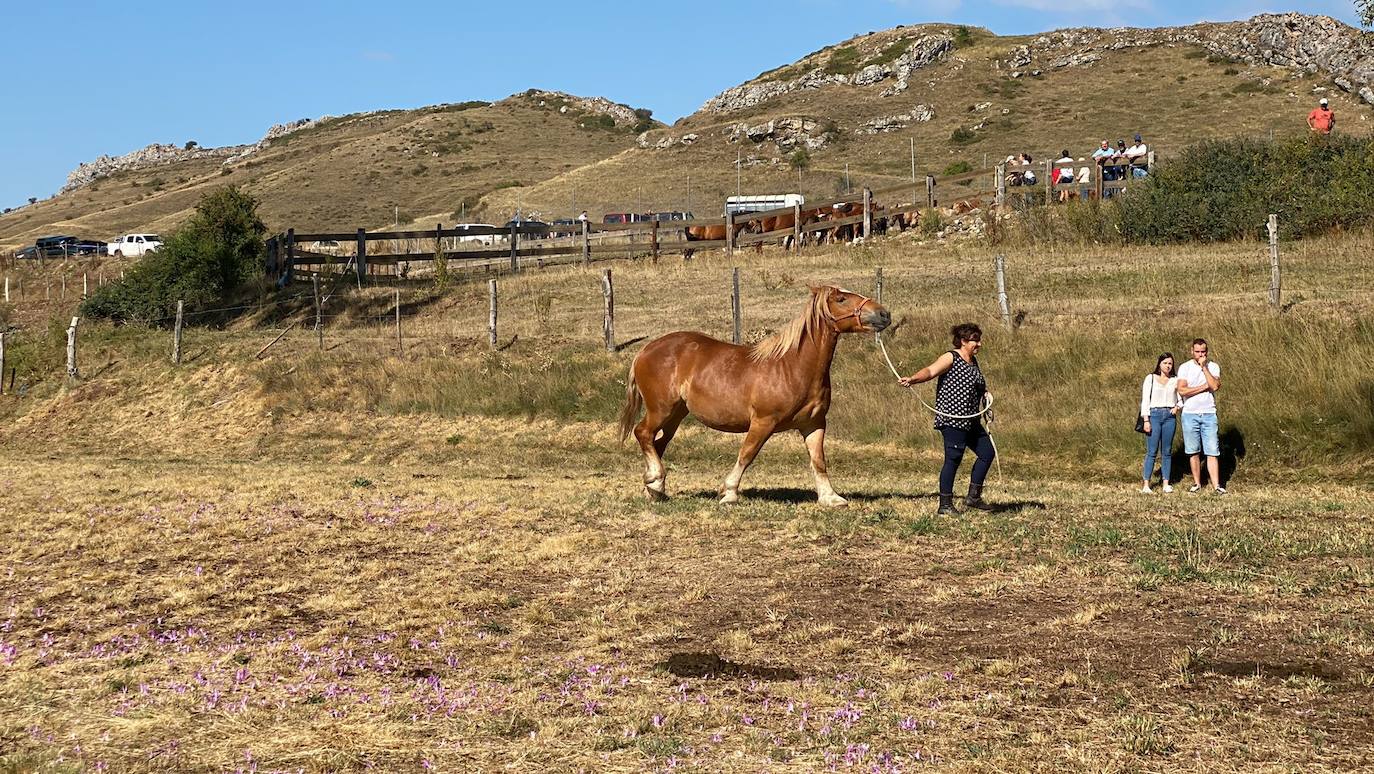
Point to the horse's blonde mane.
(790, 336)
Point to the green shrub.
(800, 159)
(218, 250)
(1225, 189)
(644, 120)
(957, 168)
(963, 37)
(963, 136)
(843, 61)
(931, 222)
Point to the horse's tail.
(634, 401)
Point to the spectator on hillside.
(1321, 120)
(1063, 173)
(1028, 171)
(1014, 173)
(1102, 156)
(1085, 179)
(1137, 155)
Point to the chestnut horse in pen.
(780, 383)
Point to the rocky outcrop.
(621, 114)
(893, 123)
(1308, 44)
(785, 133)
(922, 51)
(160, 154)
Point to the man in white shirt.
(1198, 381)
(1136, 154)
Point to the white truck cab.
(133, 245)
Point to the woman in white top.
(1159, 407)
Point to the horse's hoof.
(654, 495)
(729, 498)
(833, 501)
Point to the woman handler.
(958, 396)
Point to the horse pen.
(331, 548)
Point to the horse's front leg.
(759, 430)
(815, 447)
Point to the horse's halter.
(858, 310)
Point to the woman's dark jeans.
(955, 442)
(1159, 442)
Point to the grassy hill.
(1173, 93)
(349, 172)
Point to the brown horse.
(788, 220)
(781, 383)
(714, 233)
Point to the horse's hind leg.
(657, 417)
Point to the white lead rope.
(987, 404)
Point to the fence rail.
(490, 249)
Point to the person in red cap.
(1321, 120)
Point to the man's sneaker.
(1195, 488)
(1145, 489)
(1221, 490)
(1167, 488)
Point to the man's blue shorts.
(1200, 434)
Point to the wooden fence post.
(1150, 163)
(2, 362)
(796, 228)
(1000, 266)
(72, 372)
(290, 256)
(653, 239)
(360, 263)
(85, 286)
(176, 335)
(7, 288)
(491, 313)
(514, 248)
(868, 212)
(1099, 180)
(930, 190)
(608, 322)
(878, 285)
(1049, 183)
(399, 348)
(729, 233)
(1275, 278)
(319, 322)
(270, 264)
(1001, 183)
(586, 244)
(735, 307)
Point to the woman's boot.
(946, 506)
(975, 498)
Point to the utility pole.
(913, 160)
(739, 162)
(847, 189)
(395, 215)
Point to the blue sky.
(86, 78)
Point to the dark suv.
(62, 247)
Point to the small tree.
(800, 159)
(33, 199)
(963, 36)
(1365, 10)
(202, 263)
(440, 263)
(644, 120)
(190, 144)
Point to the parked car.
(325, 247)
(525, 224)
(481, 239)
(134, 245)
(61, 247)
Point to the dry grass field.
(441, 559)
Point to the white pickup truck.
(133, 245)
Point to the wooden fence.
(495, 249)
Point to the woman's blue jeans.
(1159, 442)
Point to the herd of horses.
(840, 232)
